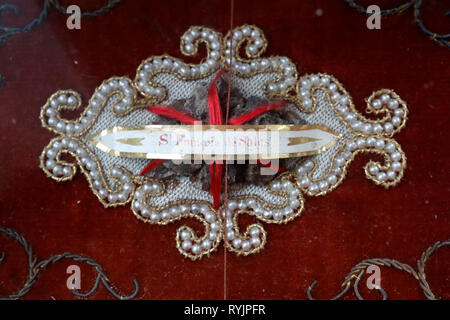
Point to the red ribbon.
(215, 118)
(171, 112)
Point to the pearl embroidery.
(124, 95)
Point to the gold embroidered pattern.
(123, 96)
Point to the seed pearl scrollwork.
(153, 201)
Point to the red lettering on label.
(179, 139)
(163, 139)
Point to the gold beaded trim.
(130, 95)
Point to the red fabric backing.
(356, 221)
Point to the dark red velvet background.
(356, 221)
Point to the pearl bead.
(385, 98)
(165, 215)
(71, 101)
(323, 185)
(305, 83)
(294, 193)
(391, 175)
(361, 143)
(245, 245)
(308, 165)
(271, 87)
(194, 32)
(331, 179)
(213, 236)
(313, 188)
(379, 144)
(277, 215)
(307, 103)
(314, 79)
(50, 112)
(255, 242)
(251, 202)
(324, 81)
(352, 145)
(393, 104)
(304, 182)
(60, 126)
(102, 193)
(335, 97)
(377, 128)
(215, 226)
(186, 245)
(57, 170)
(287, 211)
(264, 63)
(155, 217)
(376, 104)
(390, 147)
(51, 153)
(62, 99)
(349, 117)
(371, 141)
(399, 112)
(332, 87)
(122, 197)
(50, 164)
(339, 161)
(185, 235)
(52, 122)
(255, 33)
(396, 156)
(268, 214)
(286, 185)
(206, 244)
(113, 198)
(344, 100)
(174, 211)
(373, 170)
(388, 127)
(237, 243)
(230, 235)
(381, 176)
(357, 125)
(254, 232)
(397, 166)
(275, 186)
(367, 128)
(294, 204)
(232, 205)
(396, 121)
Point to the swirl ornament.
(358, 271)
(316, 98)
(36, 267)
(441, 39)
(7, 32)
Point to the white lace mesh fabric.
(179, 89)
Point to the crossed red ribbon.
(215, 118)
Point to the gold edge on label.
(171, 156)
(261, 127)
